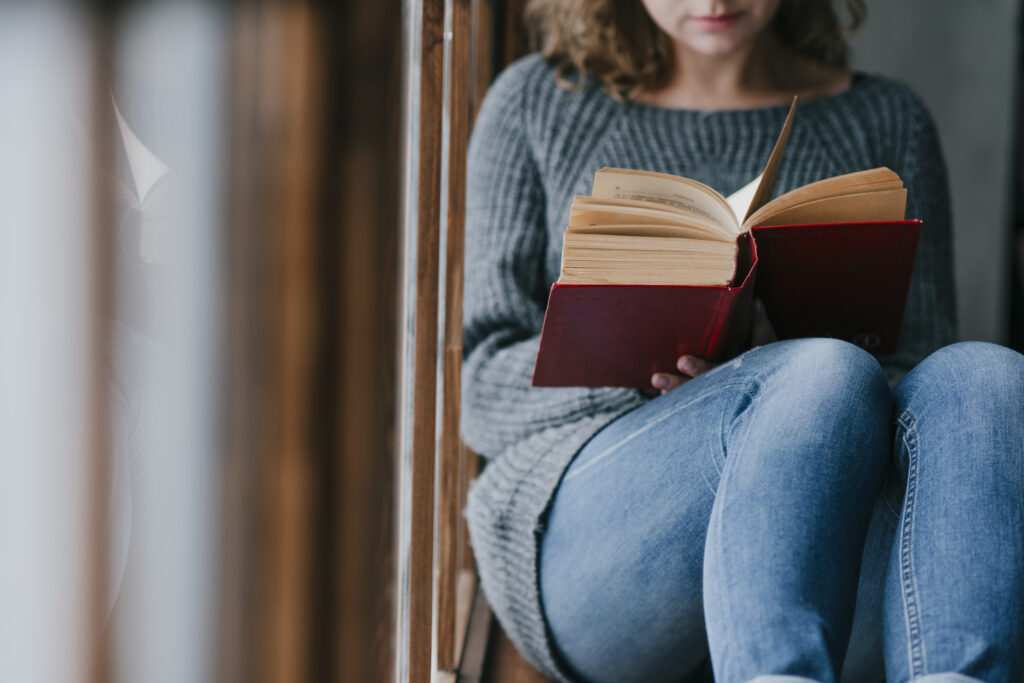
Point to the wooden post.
(102, 270)
(363, 184)
(448, 642)
(421, 548)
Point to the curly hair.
(617, 43)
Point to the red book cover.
(842, 280)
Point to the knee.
(833, 367)
(975, 381)
(962, 410)
(835, 391)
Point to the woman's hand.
(761, 332)
(689, 366)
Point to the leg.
(805, 465)
(954, 602)
(864, 661)
(622, 555)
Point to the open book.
(655, 266)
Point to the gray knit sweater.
(534, 146)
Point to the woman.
(803, 511)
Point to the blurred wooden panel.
(295, 76)
(273, 342)
(308, 573)
(363, 201)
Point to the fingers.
(693, 366)
(761, 330)
(667, 381)
(690, 366)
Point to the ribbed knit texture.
(534, 146)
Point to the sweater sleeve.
(506, 285)
(929, 321)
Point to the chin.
(718, 45)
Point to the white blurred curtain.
(45, 333)
(161, 331)
(170, 84)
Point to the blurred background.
(963, 60)
(228, 261)
(199, 225)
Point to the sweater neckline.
(857, 83)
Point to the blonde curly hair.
(617, 43)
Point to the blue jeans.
(772, 514)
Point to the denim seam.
(908, 580)
(753, 388)
(632, 435)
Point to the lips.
(718, 22)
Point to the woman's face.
(714, 28)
